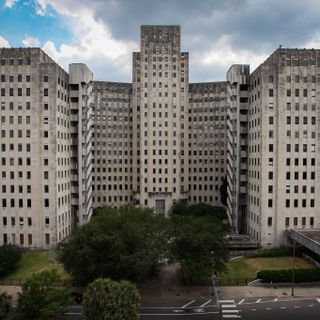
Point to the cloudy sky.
(103, 33)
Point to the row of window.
(11, 92)
(21, 203)
(19, 78)
(22, 239)
(288, 204)
(13, 62)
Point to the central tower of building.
(160, 100)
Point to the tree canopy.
(9, 257)
(197, 210)
(105, 299)
(198, 244)
(43, 297)
(125, 243)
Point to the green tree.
(5, 305)
(197, 210)
(105, 299)
(9, 257)
(198, 244)
(125, 243)
(43, 297)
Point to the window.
(45, 92)
(269, 221)
(270, 92)
(311, 221)
(287, 222)
(295, 221)
(270, 120)
(47, 237)
(270, 203)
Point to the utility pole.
(293, 265)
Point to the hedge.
(276, 252)
(280, 276)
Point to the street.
(205, 309)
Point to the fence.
(11, 282)
(234, 282)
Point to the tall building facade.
(160, 101)
(35, 149)
(70, 144)
(273, 168)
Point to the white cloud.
(4, 43)
(222, 54)
(31, 42)
(10, 3)
(92, 41)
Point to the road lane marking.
(240, 301)
(318, 300)
(253, 309)
(230, 311)
(228, 316)
(228, 306)
(283, 308)
(176, 314)
(258, 300)
(297, 307)
(204, 304)
(226, 301)
(276, 299)
(268, 309)
(310, 305)
(188, 304)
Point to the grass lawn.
(36, 261)
(248, 267)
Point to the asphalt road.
(207, 309)
(279, 309)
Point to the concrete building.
(81, 113)
(283, 147)
(273, 165)
(238, 84)
(112, 139)
(35, 149)
(70, 144)
(207, 149)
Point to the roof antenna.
(280, 45)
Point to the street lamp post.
(293, 265)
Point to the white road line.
(253, 309)
(205, 303)
(297, 307)
(230, 311)
(176, 314)
(283, 308)
(228, 306)
(226, 301)
(188, 304)
(276, 299)
(318, 300)
(268, 309)
(230, 316)
(310, 305)
(240, 301)
(258, 300)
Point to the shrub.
(9, 257)
(276, 252)
(281, 276)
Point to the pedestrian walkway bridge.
(308, 238)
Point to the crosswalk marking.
(229, 309)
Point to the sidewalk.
(274, 291)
